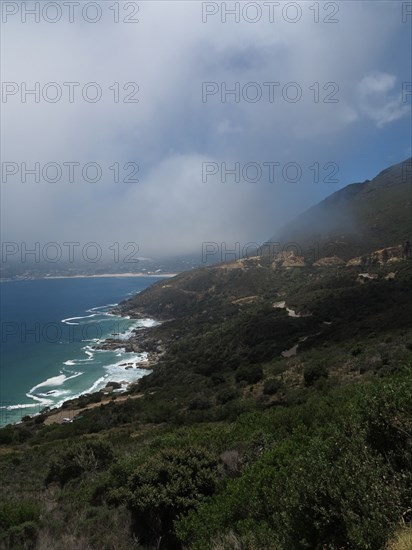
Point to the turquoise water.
(48, 330)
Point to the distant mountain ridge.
(356, 220)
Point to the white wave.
(98, 385)
(148, 322)
(94, 340)
(119, 374)
(126, 334)
(100, 307)
(54, 393)
(89, 351)
(67, 321)
(140, 323)
(54, 381)
(119, 352)
(74, 362)
(115, 372)
(19, 406)
(45, 402)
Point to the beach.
(100, 275)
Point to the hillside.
(357, 219)
(277, 416)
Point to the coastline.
(96, 276)
(138, 340)
(69, 409)
(100, 275)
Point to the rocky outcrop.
(113, 385)
(287, 260)
(365, 277)
(383, 256)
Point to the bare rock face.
(365, 277)
(288, 259)
(113, 386)
(391, 254)
(331, 261)
(355, 262)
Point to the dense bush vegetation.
(272, 386)
(312, 373)
(19, 523)
(249, 373)
(337, 482)
(78, 459)
(165, 487)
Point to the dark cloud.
(171, 132)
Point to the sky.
(159, 126)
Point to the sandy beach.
(100, 275)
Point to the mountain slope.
(355, 220)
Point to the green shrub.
(249, 373)
(312, 373)
(6, 435)
(226, 395)
(23, 536)
(308, 496)
(14, 513)
(39, 419)
(357, 350)
(199, 404)
(272, 386)
(217, 378)
(166, 486)
(19, 524)
(79, 458)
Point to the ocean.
(48, 330)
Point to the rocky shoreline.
(141, 341)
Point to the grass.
(402, 540)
